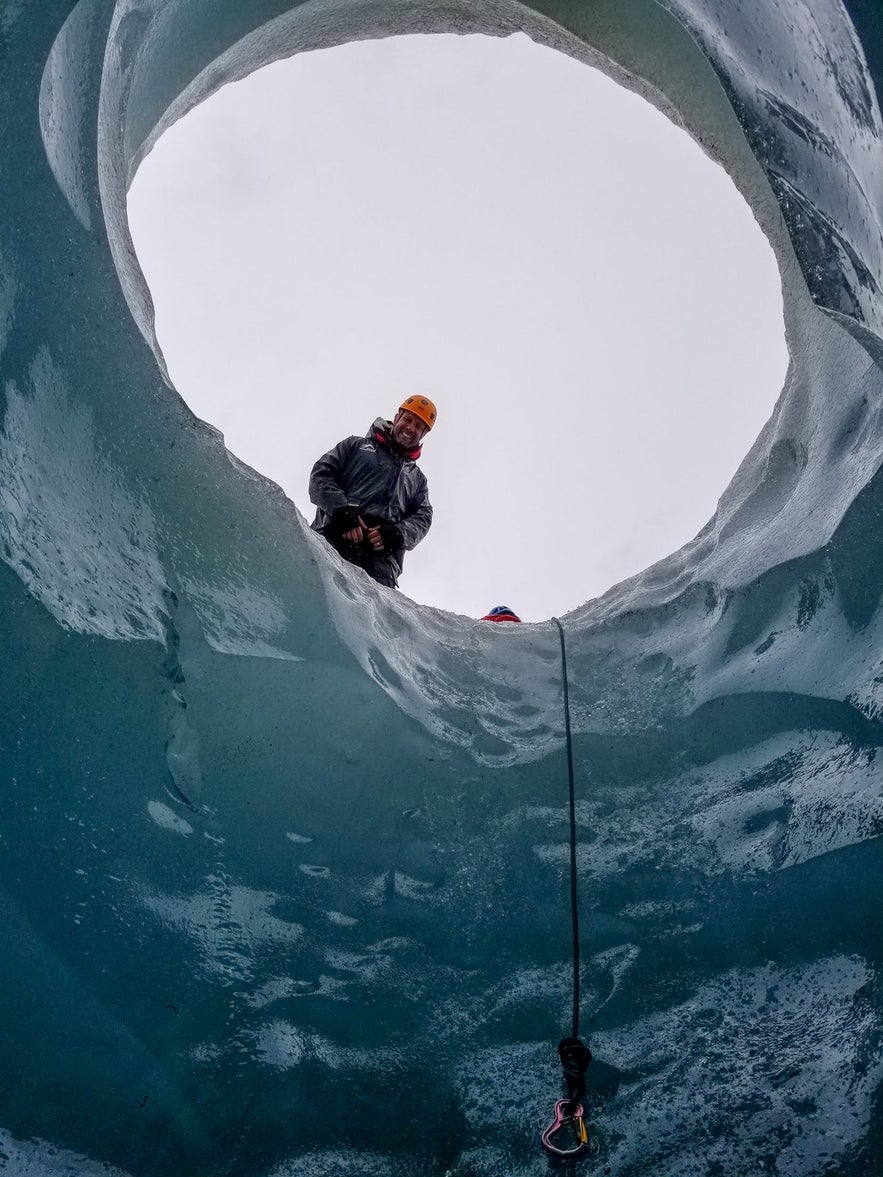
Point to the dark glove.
(344, 519)
(392, 537)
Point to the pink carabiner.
(572, 1122)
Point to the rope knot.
(575, 1058)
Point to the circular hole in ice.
(583, 292)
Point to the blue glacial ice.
(284, 856)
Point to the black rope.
(574, 1054)
(574, 912)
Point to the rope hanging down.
(566, 1137)
(574, 910)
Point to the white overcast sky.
(583, 293)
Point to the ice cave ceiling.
(283, 856)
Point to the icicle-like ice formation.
(283, 856)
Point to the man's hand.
(348, 524)
(356, 534)
(385, 537)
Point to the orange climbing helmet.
(422, 407)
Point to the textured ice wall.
(282, 856)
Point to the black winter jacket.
(375, 477)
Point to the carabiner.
(570, 1127)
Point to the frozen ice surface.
(283, 868)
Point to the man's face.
(408, 430)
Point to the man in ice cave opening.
(373, 501)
